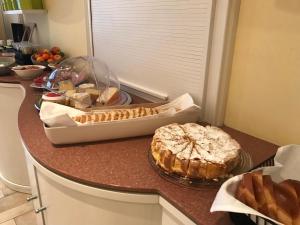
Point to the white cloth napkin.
(57, 115)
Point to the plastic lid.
(85, 74)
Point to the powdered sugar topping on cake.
(209, 144)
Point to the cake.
(86, 85)
(65, 85)
(94, 93)
(69, 96)
(109, 96)
(195, 151)
(82, 100)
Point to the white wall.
(264, 93)
(67, 25)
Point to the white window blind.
(160, 46)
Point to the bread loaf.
(277, 201)
(113, 115)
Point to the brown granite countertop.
(122, 165)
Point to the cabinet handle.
(31, 198)
(40, 209)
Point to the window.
(163, 47)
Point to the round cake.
(194, 151)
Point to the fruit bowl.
(45, 63)
(38, 63)
(45, 57)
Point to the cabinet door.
(67, 206)
(36, 199)
(169, 219)
(12, 159)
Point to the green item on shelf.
(30, 4)
(37, 4)
(3, 5)
(9, 5)
(14, 4)
(24, 4)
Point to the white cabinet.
(12, 160)
(67, 206)
(35, 194)
(73, 205)
(168, 218)
(69, 202)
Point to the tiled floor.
(14, 209)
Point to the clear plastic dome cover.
(85, 72)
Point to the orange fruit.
(40, 59)
(45, 56)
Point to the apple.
(57, 57)
(55, 50)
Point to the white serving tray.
(116, 129)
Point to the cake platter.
(245, 165)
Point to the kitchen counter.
(122, 165)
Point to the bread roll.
(289, 199)
(269, 195)
(259, 193)
(245, 192)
